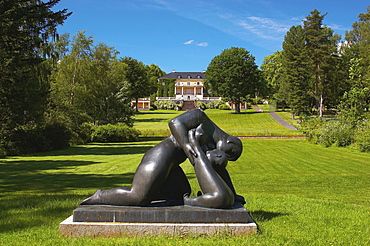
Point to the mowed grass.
(298, 193)
(247, 123)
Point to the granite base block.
(160, 214)
(112, 221)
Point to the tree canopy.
(26, 27)
(234, 74)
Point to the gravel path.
(277, 118)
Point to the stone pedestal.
(109, 221)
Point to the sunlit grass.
(298, 193)
(247, 123)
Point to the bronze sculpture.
(160, 177)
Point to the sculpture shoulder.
(191, 115)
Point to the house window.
(178, 83)
(179, 76)
(189, 77)
(198, 76)
(198, 83)
(188, 83)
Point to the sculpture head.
(218, 158)
(232, 146)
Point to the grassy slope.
(248, 123)
(298, 193)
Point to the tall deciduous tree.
(154, 72)
(89, 84)
(272, 71)
(26, 27)
(235, 75)
(137, 79)
(358, 40)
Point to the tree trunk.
(237, 107)
(321, 108)
(137, 104)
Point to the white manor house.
(189, 86)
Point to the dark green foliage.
(36, 138)
(321, 47)
(138, 82)
(234, 74)
(114, 133)
(26, 28)
(296, 75)
(166, 88)
(359, 38)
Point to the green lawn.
(298, 193)
(248, 123)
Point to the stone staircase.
(188, 105)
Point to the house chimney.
(173, 70)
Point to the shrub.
(311, 128)
(336, 133)
(165, 105)
(328, 133)
(57, 136)
(82, 133)
(362, 137)
(257, 100)
(214, 104)
(201, 105)
(35, 138)
(114, 133)
(224, 107)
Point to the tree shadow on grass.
(102, 149)
(45, 192)
(255, 112)
(152, 120)
(30, 211)
(156, 112)
(30, 176)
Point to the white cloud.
(189, 42)
(203, 44)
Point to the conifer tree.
(26, 27)
(296, 75)
(320, 45)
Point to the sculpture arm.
(224, 174)
(217, 194)
(180, 126)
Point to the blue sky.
(184, 35)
